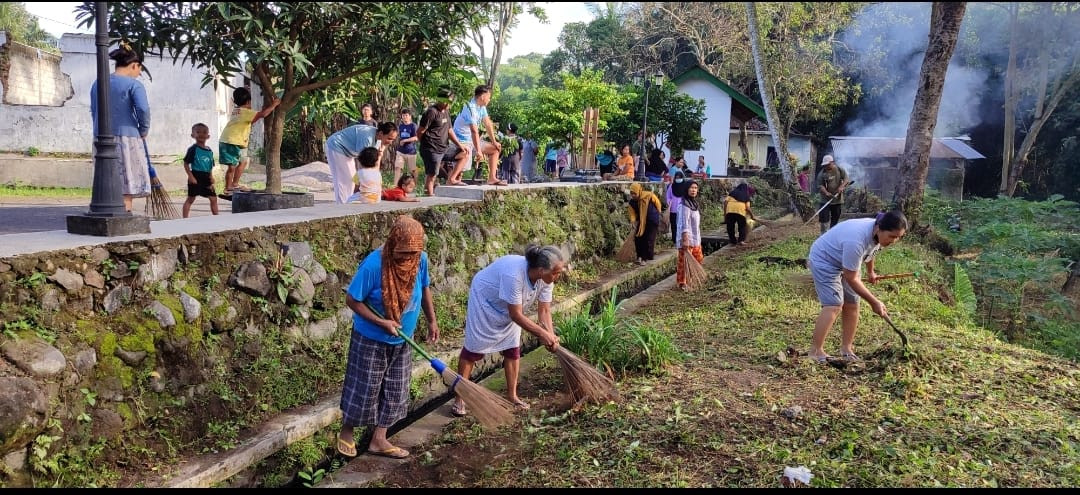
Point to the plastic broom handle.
(153, 173)
(435, 363)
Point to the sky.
(530, 35)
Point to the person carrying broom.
(394, 281)
(688, 242)
(495, 316)
(644, 211)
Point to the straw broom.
(627, 252)
(159, 205)
(490, 409)
(696, 276)
(584, 382)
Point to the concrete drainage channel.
(633, 288)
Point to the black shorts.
(431, 160)
(203, 185)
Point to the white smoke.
(892, 37)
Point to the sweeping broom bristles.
(627, 252)
(583, 381)
(159, 205)
(490, 409)
(696, 276)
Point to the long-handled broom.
(490, 410)
(806, 280)
(159, 205)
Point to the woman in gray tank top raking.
(834, 261)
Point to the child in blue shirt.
(199, 165)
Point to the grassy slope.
(961, 408)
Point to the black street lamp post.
(658, 79)
(107, 215)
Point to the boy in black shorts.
(199, 165)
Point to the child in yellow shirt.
(232, 146)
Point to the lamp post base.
(108, 226)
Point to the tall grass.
(618, 343)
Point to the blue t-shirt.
(471, 114)
(552, 153)
(352, 140)
(406, 131)
(366, 286)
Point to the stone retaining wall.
(170, 347)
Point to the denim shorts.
(830, 286)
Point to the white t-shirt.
(370, 182)
(689, 221)
(488, 327)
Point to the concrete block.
(108, 226)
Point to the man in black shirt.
(435, 136)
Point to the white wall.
(758, 143)
(177, 101)
(714, 131)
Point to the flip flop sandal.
(820, 359)
(499, 183)
(522, 405)
(850, 356)
(347, 449)
(459, 410)
(392, 452)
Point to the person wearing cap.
(831, 182)
(435, 136)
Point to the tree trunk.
(1044, 108)
(1021, 159)
(742, 144)
(767, 101)
(310, 143)
(273, 148)
(506, 17)
(1011, 98)
(945, 19)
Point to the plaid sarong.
(376, 388)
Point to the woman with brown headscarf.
(392, 281)
(644, 211)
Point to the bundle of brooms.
(696, 276)
(627, 252)
(584, 382)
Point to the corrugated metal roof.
(853, 147)
(961, 148)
